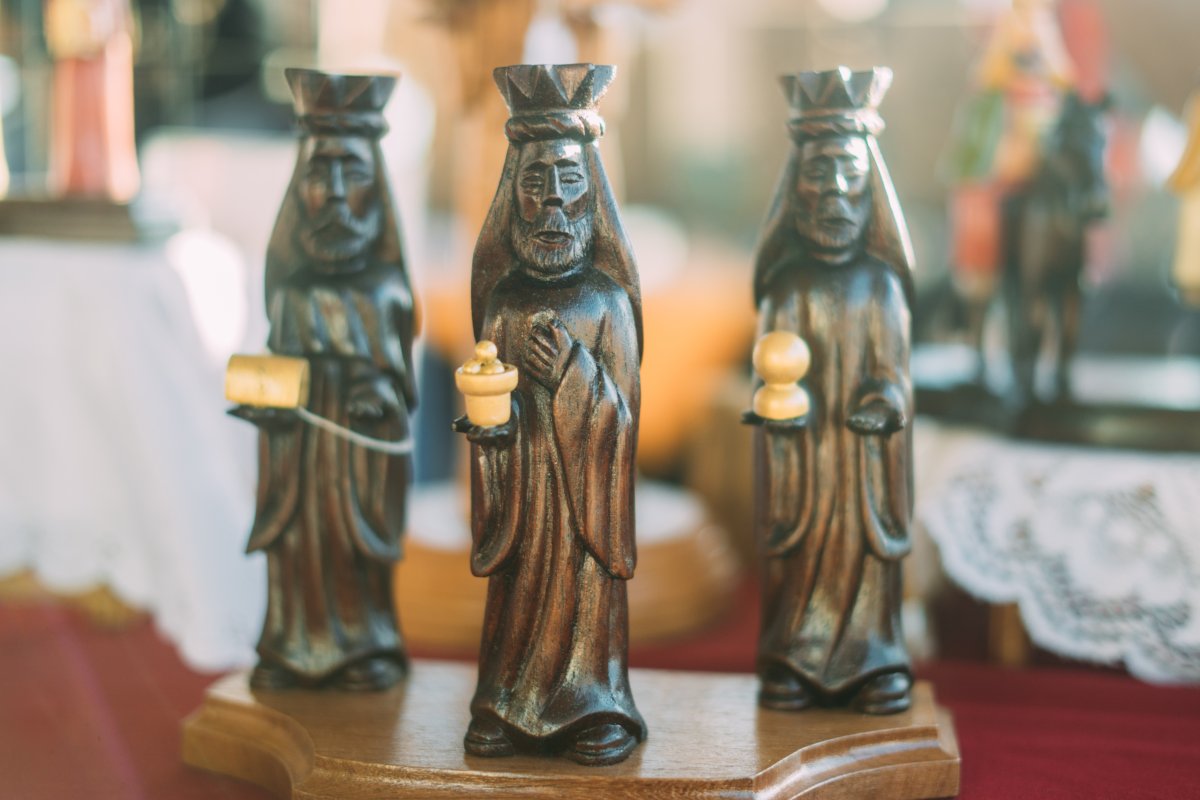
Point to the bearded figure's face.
(339, 200)
(833, 194)
(552, 233)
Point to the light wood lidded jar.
(267, 381)
(487, 384)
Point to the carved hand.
(775, 425)
(876, 418)
(491, 436)
(373, 398)
(265, 417)
(547, 353)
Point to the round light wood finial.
(781, 358)
(486, 351)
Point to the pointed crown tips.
(336, 104)
(836, 102)
(553, 101)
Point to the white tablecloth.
(118, 465)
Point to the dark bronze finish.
(835, 488)
(330, 513)
(555, 286)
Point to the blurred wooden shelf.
(81, 219)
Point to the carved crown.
(837, 97)
(340, 103)
(552, 88)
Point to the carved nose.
(553, 190)
(840, 184)
(337, 186)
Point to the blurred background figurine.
(1000, 129)
(331, 513)
(92, 149)
(1185, 182)
(835, 486)
(1044, 240)
(555, 287)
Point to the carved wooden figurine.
(92, 150)
(555, 287)
(1017, 91)
(331, 512)
(834, 486)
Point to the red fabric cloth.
(90, 713)
(96, 714)
(1054, 734)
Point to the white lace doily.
(1100, 548)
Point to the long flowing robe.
(331, 513)
(552, 516)
(834, 505)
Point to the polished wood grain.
(833, 487)
(707, 739)
(330, 507)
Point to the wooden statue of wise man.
(835, 486)
(555, 287)
(331, 512)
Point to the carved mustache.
(552, 224)
(337, 218)
(835, 209)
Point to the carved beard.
(336, 239)
(548, 259)
(838, 223)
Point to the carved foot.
(783, 691)
(487, 739)
(885, 694)
(601, 745)
(271, 677)
(369, 675)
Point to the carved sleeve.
(497, 484)
(278, 485)
(405, 328)
(595, 420)
(278, 447)
(786, 488)
(885, 462)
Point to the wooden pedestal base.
(707, 739)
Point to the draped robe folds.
(552, 516)
(330, 513)
(834, 505)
